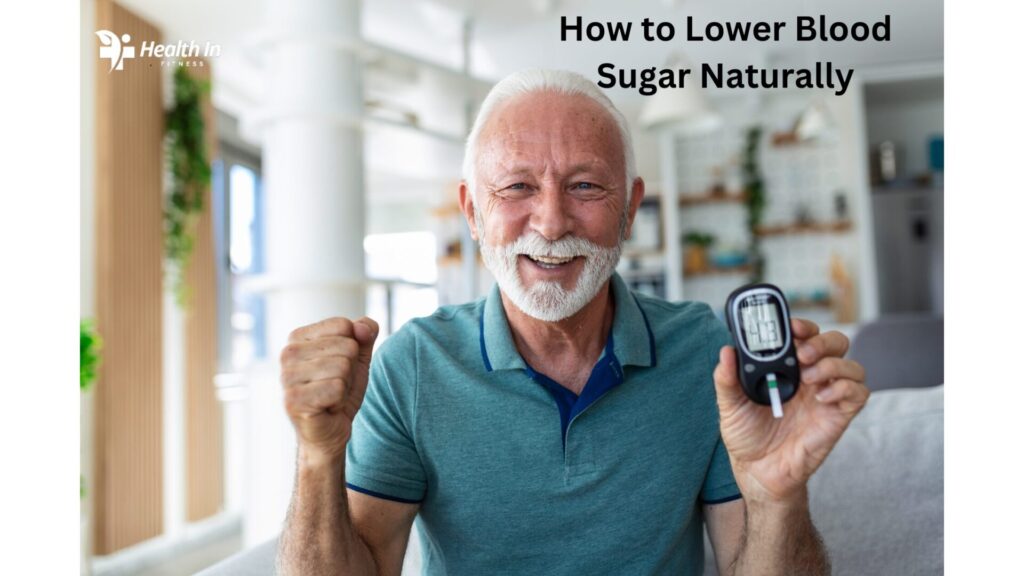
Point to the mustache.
(533, 244)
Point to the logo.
(113, 50)
(116, 49)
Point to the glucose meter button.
(790, 361)
(749, 368)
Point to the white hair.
(538, 80)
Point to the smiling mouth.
(549, 262)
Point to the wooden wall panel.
(204, 423)
(128, 483)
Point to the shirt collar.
(633, 341)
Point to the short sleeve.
(719, 483)
(381, 458)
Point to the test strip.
(773, 394)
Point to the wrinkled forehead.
(550, 129)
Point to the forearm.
(780, 539)
(318, 537)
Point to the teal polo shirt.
(516, 475)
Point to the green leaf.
(190, 171)
(89, 358)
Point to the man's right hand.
(324, 370)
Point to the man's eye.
(517, 186)
(586, 186)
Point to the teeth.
(550, 260)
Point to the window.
(238, 211)
(402, 268)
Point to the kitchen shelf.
(836, 227)
(446, 211)
(456, 259)
(737, 197)
(809, 304)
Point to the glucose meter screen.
(761, 324)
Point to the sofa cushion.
(901, 351)
(878, 498)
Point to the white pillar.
(313, 177)
(670, 215)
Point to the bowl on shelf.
(728, 258)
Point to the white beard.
(547, 300)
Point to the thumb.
(727, 383)
(365, 330)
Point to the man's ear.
(468, 208)
(634, 203)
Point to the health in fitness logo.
(117, 49)
(114, 50)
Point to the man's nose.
(551, 218)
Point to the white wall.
(87, 247)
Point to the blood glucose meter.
(758, 317)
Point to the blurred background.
(308, 167)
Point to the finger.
(803, 329)
(849, 392)
(830, 368)
(315, 397)
(365, 330)
(336, 326)
(727, 384)
(828, 344)
(325, 346)
(308, 371)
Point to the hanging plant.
(755, 200)
(190, 175)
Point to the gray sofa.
(901, 351)
(877, 500)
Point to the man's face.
(550, 209)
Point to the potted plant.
(697, 245)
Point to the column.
(310, 127)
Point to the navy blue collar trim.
(483, 345)
(650, 333)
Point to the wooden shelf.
(836, 227)
(810, 304)
(456, 260)
(718, 270)
(736, 197)
(446, 211)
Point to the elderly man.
(562, 425)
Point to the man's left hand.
(772, 458)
